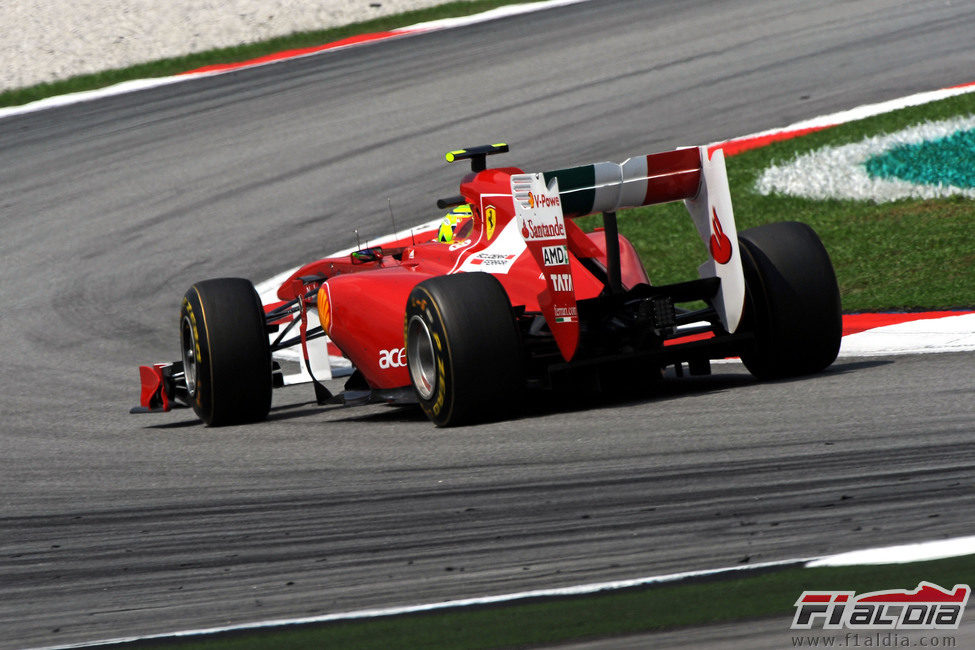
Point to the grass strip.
(246, 52)
(606, 615)
(903, 255)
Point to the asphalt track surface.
(113, 524)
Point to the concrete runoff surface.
(114, 524)
(57, 39)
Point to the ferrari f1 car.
(511, 296)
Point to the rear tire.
(463, 349)
(226, 354)
(792, 301)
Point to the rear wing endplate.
(698, 177)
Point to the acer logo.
(392, 358)
(562, 281)
(542, 231)
(542, 201)
(555, 255)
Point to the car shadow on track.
(843, 366)
(187, 419)
(669, 387)
(278, 413)
(541, 403)
(673, 387)
(840, 367)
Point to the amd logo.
(555, 255)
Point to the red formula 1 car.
(515, 297)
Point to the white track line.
(577, 590)
(143, 84)
(901, 554)
(882, 555)
(859, 113)
(924, 336)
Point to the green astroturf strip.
(947, 161)
(631, 611)
(245, 52)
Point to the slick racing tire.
(226, 354)
(463, 350)
(792, 301)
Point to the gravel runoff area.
(47, 40)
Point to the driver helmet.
(450, 220)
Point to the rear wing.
(698, 177)
(638, 181)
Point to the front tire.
(792, 301)
(226, 354)
(463, 349)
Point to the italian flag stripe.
(642, 180)
(577, 188)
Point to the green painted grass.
(905, 255)
(613, 614)
(246, 52)
(946, 161)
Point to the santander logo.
(531, 230)
(720, 244)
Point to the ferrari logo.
(490, 220)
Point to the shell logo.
(542, 201)
(325, 308)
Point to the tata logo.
(562, 281)
(392, 358)
(542, 201)
(555, 255)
